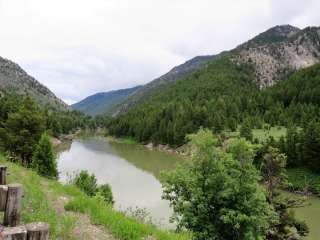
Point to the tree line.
(25, 128)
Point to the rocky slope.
(279, 51)
(13, 79)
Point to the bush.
(43, 159)
(86, 183)
(106, 193)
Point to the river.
(133, 173)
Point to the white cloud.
(79, 47)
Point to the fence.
(10, 203)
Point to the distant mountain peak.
(103, 102)
(275, 34)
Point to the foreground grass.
(37, 207)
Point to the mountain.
(104, 102)
(231, 89)
(275, 53)
(174, 74)
(13, 79)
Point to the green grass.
(301, 179)
(39, 205)
(121, 227)
(263, 134)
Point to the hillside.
(274, 53)
(104, 102)
(13, 79)
(173, 75)
(221, 96)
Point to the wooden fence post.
(13, 205)
(37, 231)
(3, 197)
(3, 175)
(14, 233)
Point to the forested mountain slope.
(221, 96)
(173, 75)
(13, 79)
(104, 102)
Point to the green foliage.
(311, 146)
(22, 127)
(275, 178)
(22, 123)
(86, 183)
(273, 171)
(43, 159)
(217, 195)
(302, 147)
(303, 180)
(246, 131)
(105, 192)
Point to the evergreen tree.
(23, 130)
(274, 174)
(311, 146)
(246, 131)
(43, 159)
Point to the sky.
(79, 47)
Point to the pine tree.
(44, 159)
(311, 146)
(245, 131)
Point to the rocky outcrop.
(272, 60)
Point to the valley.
(248, 118)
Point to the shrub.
(106, 193)
(86, 183)
(43, 159)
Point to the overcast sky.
(80, 47)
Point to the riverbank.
(183, 150)
(73, 215)
(301, 180)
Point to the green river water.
(133, 172)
